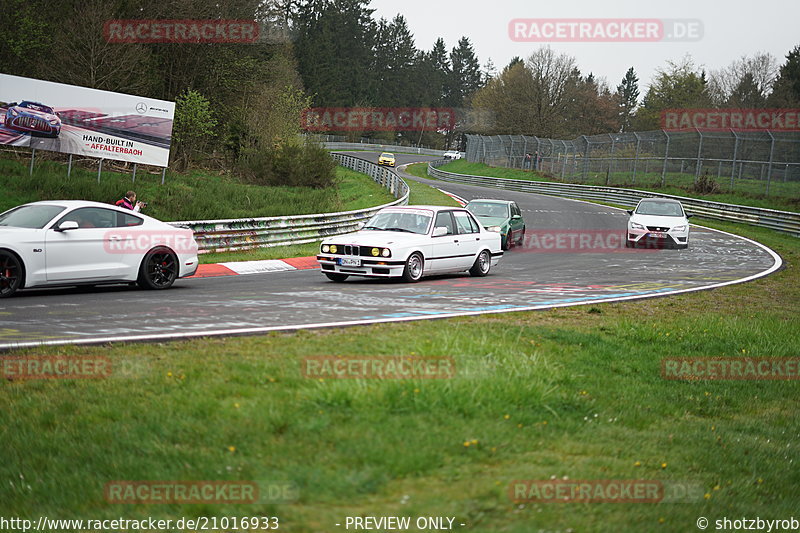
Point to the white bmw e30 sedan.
(412, 242)
(75, 242)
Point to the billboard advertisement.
(76, 120)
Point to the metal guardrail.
(784, 221)
(382, 148)
(245, 233)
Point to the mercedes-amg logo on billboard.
(141, 107)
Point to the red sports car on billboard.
(34, 118)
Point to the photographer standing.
(129, 202)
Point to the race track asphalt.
(526, 278)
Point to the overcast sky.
(731, 29)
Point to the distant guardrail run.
(784, 221)
(245, 233)
(382, 148)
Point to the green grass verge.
(573, 392)
(197, 195)
(783, 196)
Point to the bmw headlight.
(634, 225)
(325, 248)
(333, 248)
(679, 228)
(386, 252)
(375, 252)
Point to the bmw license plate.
(658, 235)
(349, 262)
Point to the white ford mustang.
(72, 242)
(411, 242)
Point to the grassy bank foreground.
(784, 196)
(568, 394)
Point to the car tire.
(159, 269)
(629, 244)
(483, 263)
(11, 273)
(337, 277)
(415, 265)
(506, 244)
(521, 240)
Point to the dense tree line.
(238, 105)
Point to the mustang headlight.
(386, 252)
(333, 248)
(325, 248)
(634, 225)
(679, 228)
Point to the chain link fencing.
(754, 163)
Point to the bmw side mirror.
(439, 231)
(689, 216)
(360, 225)
(630, 212)
(67, 225)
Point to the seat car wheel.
(159, 269)
(482, 264)
(335, 276)
(10, 274)
(414, 266)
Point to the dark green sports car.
(503, 214)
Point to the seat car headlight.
(634, 225)
(496, 229)
(679, 228)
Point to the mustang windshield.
(663, 209)
(30, 216)
(407, 221)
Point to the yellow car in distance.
(386, 159)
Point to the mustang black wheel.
(335, 276)
(414, 266)
(10, 274)
(483, 263)
(159, 269)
